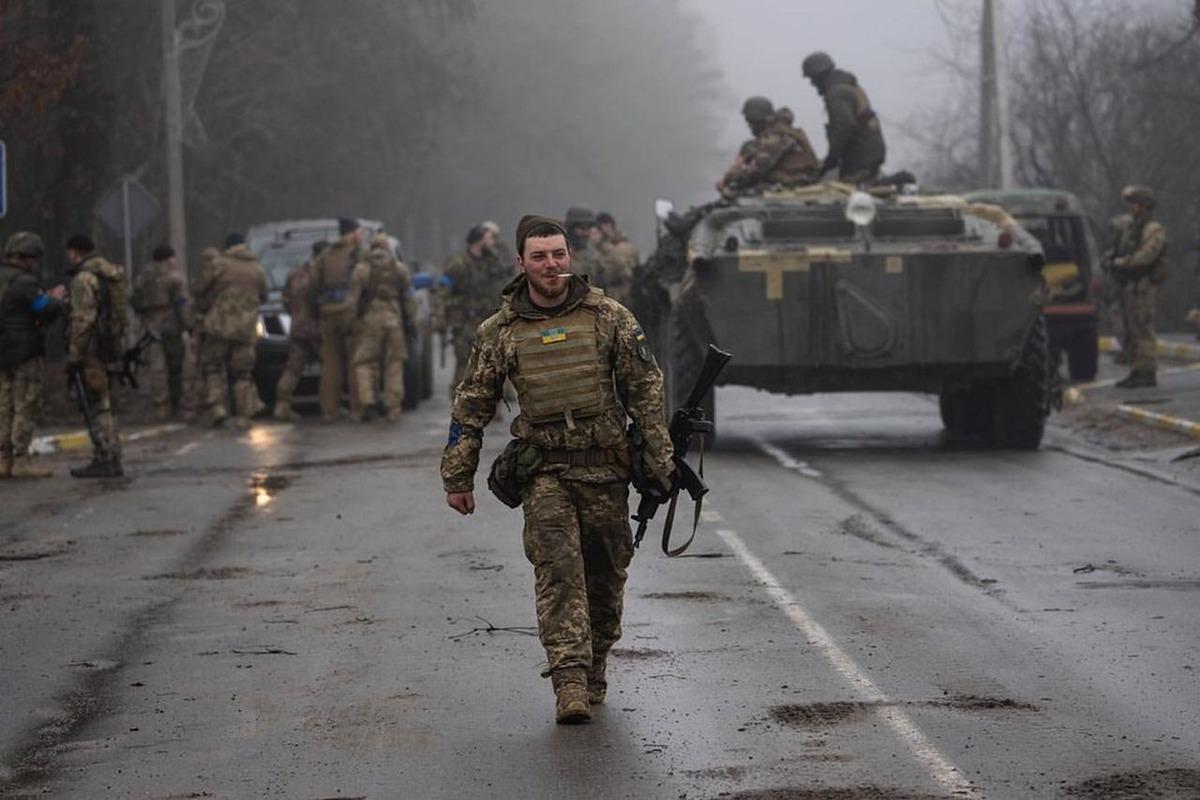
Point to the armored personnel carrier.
(828, 289)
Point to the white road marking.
(187, 448)
(949, 776)
(787, 462)
(710, 515)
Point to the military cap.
(1142, 195)
(24, 243)
(81, 242)
(163, 252)
(757, 109)
(476, 233)
(233, 240)
(347, 225)
(578, 215)
(817, 64)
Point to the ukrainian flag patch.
(554, 335)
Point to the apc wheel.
(685, 358)
(1022, 403)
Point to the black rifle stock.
(132, 359)
(686, 422)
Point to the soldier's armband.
(458, 431)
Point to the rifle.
(75, 383)
(132, 359)
(686, 422)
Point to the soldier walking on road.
(582, 368)
(24, 311)
(329, 303)
(161, 301)
(304, 335)
(94, 344)
(231, 294)
(1140, 266)
(856, 146)
(381, 291)
(471, 283)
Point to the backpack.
(113, 316)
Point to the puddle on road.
(264, 487)
(821, 715)
(1165, 784)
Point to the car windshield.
(1061, 237)
(280, 259)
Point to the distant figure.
(468, 294)
(618, 256)
(856, 146)
(329, 303)
(778, 155)
(1110, 297)
(304, 335)
(233, 290)
(381, 290)
(1140, 265)
(501, 252)
(160, 299)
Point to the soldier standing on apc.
(582, 368)
(94, 334)
(24, 311)
(856, 145)
(1140, 266)
(160, 298)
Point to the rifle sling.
(666, 537)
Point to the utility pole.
(995, 150)
(176, 219)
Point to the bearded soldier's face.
(545, 262)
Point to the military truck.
(827, 289)
(1058, 221)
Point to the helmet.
(817, 64)
(24, 243)
(578, 215)
(1142, 195)
(757, 109)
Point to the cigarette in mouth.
(564, 274)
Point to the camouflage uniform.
(84, 351)
(1140, 250)
(232, 293)
(24, 311)
(467, 296)
(778, 156)
(618, 258)
(856, 143)
(381, 291)
(304, 337)
(329, 303)
(160, 298)
(576, 531)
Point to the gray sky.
(888, 44)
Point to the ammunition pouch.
(513, 471)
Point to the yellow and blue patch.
(552, 335)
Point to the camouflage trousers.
(380, 344)
(166, 363)
(218, 358)
(578, 539)
(339, 326)
(20, 401)
(1138, 305)
(300, 353)
(106, 444)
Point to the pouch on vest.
(512, 472)
(112, 318)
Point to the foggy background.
(432, 115)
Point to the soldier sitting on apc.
(778, 155)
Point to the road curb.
(1180, 350)
(1156, 420)
(79, 440)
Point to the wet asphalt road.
(869, 612)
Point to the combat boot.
(393, 415)
(283, 411)
(597, 683)
(24, 467)
(1138, 380)
(571, 696)
(6, 463)
(107, 468)
(241, 423)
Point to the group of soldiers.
(781, 155)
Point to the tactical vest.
(1132, 241)
(334, 269)
(863, 111)
(561, 376)
(151, 290)
(384, 283)
(799, 165)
